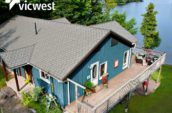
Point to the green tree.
(128, 25)
(149, 28)
(110, 4)
(88, 12)
(80, 11)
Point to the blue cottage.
(61, 57)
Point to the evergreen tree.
(88, 12)
(122, 20)
(149, 28)
(80, 11)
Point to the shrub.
(88, 84)
(26, 98)
(37, 91)
(34, 95)
(34, 99)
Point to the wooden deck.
(113, 85)
(22, 85)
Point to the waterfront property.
(88, 69)
(153, 102)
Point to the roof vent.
(36, 31)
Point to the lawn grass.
(158, 102)
(155, 76)
(2, 78)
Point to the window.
(103, 69)
(94, 72)
(125, 59)
(114, 42)
(45, 77)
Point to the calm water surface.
(164, 18)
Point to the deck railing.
(115, 97)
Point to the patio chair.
(139, 58)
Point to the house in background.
(61, 57)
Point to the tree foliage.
(80, 11)
(149, 28)
(86, 12)
(121, 19)
(90, 12)
(122, 2)
(110, 4)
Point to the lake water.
(164, 18)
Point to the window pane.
(94, 71)
(102, 69)
(46, 76)
(125, 57)
(43, 75)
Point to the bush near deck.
(158, 102)
(2, 78)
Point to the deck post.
(16, 79)
(76, 92)
(5, 70)
(20, 71)
(107, 105)
(68, 92)
(147, 86)
(127, 99)
(159, 74)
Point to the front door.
(94, 73)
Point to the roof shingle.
(57, 48)
(118, 29)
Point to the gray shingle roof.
(118, 29)
(57, 48)
(17, 57)
(62, 20)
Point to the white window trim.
(129, 59)
(46, 80)
(106, 65)
(96, 63)
(125, 65)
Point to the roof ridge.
(71, 24)
(100, 28)
(31, 52)
(21, 48)
(106, 22)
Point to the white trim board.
(46, 80)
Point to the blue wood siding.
(22, 72)
(106, 52)
(58, 86)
